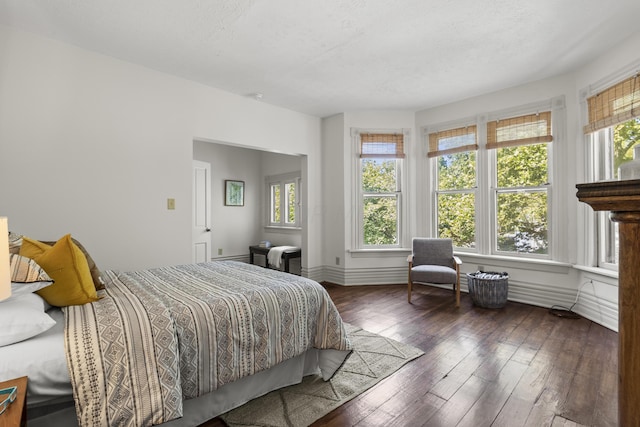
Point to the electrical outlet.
(219, 251)
(337, 260)
(171, 204)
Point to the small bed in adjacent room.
(176, 345)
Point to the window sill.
(597, 270)
(534, 264)
(373, 253)
(280, 228)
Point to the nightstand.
(16, 413)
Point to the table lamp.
(5, 276)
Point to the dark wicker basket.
(488, 292)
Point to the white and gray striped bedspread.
(163, 335)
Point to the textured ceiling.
(323, 57)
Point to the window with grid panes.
(456, 182)
(521, 183)
(613, 131)
(283, 196)
(381, 160)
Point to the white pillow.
(18, 289)
(23, 317)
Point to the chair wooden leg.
(409, 282)
(457, 286)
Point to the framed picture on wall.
(234, 192)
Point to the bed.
(177, 345)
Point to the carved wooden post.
(622, 198)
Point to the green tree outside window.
(522, 220)
(380, 204)
(456, 198)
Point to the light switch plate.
(171, 204)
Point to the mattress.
(43, 360)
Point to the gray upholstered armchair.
(432, 261)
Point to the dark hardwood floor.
(515, 366)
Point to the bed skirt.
(200, 409)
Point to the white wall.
(340, 198)
(381, 120)
(94, 146)
(233, 228)
(278, 164)
(334, 185)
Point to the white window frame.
(594, 165)
(401, 183)
(282, 181)
(495, 191)
(436, 192)
(486, 191)
(598, 169)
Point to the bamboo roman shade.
(521, 130)
(453, 141)
(381, 145)
(617, 104)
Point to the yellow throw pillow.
(93, 268)
(65, 263)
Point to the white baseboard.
(240, 258)
(315, 273)
(365, 276)
(599, 310)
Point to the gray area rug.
(373, 359)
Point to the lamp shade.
(5, 276)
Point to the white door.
(201, 234)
